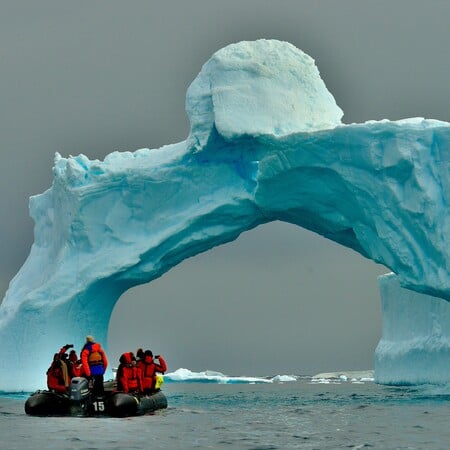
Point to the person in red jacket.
(94, 362)
(129, 375)
(149, 369)
(74, 365)
(58, 377)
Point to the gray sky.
(97, 76)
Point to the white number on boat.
(99, 406)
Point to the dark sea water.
(298, 414)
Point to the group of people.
(92, 364)
(135, 374)
(139, 373)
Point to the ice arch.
(266, 143)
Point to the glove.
(67, 346)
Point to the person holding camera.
(149, 369)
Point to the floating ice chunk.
(284, 378)
(209, 376)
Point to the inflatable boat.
(79, 402)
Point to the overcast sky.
(93, 77)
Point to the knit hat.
(90, 338)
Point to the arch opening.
(278, 299)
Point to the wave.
(14, 394)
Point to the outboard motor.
(79, 389)
(81, 401)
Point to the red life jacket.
(149, 369)
(75, 369)
(74, 365)
(57, 377)
(129, 375)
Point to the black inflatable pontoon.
(81, 403)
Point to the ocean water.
(244, 414)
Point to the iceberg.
(415, 342)
(266, 143)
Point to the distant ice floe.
(361, 376)
(210, 376)
(284, 378)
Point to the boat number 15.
(99, 406)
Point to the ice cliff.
(266, 143)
